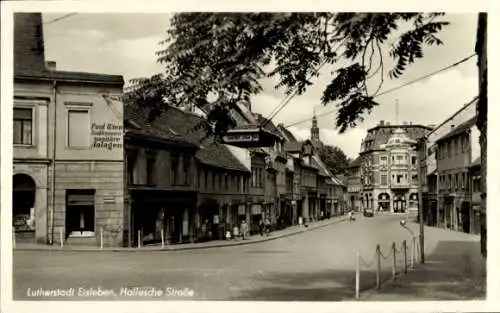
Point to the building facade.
(354, 185)
(389, 169)
(68, 147)
(455, 155)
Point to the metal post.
(357, 274)
(394, 260)
(162, 239)
(102, 239)
(405, 256)
(379, 266)
(13, 239)
(412, 251)
(138, 239)
(61, 237)
(420, 144)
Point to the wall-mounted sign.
(107, 136)
(241, 138)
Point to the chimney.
(405, 123)
(381, 123)
(50, 65)
(388, 124)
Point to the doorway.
(23, 203)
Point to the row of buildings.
(89, 166)
(396, 162)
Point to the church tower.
(315, 132)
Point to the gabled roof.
(175, 123)
(286, 133)
(323, 171)
(459, 129)
(269, 125)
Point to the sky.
(125, 44)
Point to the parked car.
(368, 212)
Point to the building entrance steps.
(290, 231)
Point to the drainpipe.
(54, 148)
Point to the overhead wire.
(394, 88)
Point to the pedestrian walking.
(267, 225)
(244, 229)
(301, 221)
(261, 227)
(236, 232)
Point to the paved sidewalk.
(454, 270)
(290, 231)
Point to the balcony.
(400, 186)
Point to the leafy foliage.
(228, 54)
(334, 158)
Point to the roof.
(176, 124)
(380, 134)
(136, 123)
(269, 125)
(29, 55)
(323, 171)
(293, 146)
(29, 50)
(219, 155)
(459, 129)
(286, 133)
(477, 162)
(356, 162)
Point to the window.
(383, 160)
(23, 126)
(186, 162)
(206, 180)
(464, 177)
(78, 128)
(449, 148)
(383, 179)
(399, 159)
(131, 161)
(414, 160)
(174, 166)
(414, 179)
(257, 177)
(450, 182)
(80, 212)
(226, 184)
(399, 179)
(150, 168)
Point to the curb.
(179, 248)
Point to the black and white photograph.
(278, 156)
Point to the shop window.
(79, 128)
(80, 212)
(414, 160)
(23, 126)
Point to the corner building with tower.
(389, 165)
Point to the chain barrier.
(369, 264)
(404, 248)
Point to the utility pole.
(420, 147)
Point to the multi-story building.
(188, 187)
(428, 158)
(482, 113)
(354, 187)
(456, 151)
(388, 168)
(68, 147)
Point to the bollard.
(405, 256)
(138, 239)
(394, 260)
(13, 239)
(412, 252)
(357, 274)
(162, 239)
(102, 239)
(61, 237)
(379, 266)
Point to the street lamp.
(403, 224)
